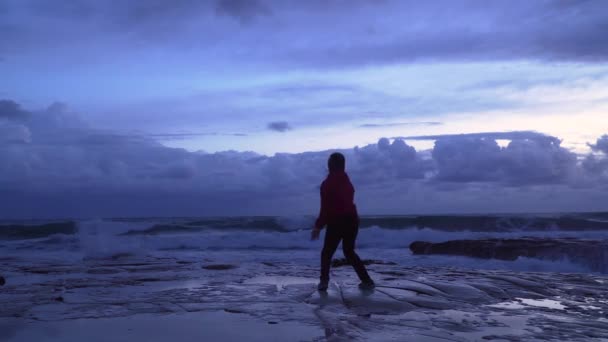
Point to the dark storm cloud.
(597, 165)
(386, 162)
(319, 34)
(529, 158)
(11, 110)
(477, 30)
(12, 124)
(601, 145)
(523, 161)
(279, 126)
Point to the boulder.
(219, 267)
(590, 253)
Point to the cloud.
(385, 162)
(362, 32)
(472, 31)
(517, 84)
(279, 126)
(310, 89)
(601, 145)
(597, 165)
(180, 136)
(11, 110)
(243, 10)
(397, 124)
(523, 161)
(11, 133)
(512, 135)
(62, 167)
(12, 130)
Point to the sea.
(276, 239)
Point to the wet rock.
(2, 281)
(219, 267)
(103, 271)
(119, 256)
(234, 311)
(590, 253)
(38, 271)
(143, 280)
(343, 262)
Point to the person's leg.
(330, 244)
(350, 230)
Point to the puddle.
(522, 303)
(280, 281)
(543, 303)
(489, 325)
(508, 306)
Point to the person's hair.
(336, 162)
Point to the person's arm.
(322, 218)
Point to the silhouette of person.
(339, 213)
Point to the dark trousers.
(344, 229)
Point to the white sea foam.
(99, 238)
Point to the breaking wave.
(109, 237)
(446, 223)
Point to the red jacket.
(337, 198)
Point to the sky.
(231, 107)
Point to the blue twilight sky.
(113, 99)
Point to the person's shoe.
(367, 285)
(323, 284)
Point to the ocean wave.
(36, 231)
(446, 223)
(491, 223)
(107, 238)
